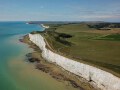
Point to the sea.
(16, 73)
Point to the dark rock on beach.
(31, 59)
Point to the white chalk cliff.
(44, 26)
(102, 79)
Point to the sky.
(60, 10)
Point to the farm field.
(99, 47)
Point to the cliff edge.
(102, 79)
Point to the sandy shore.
(55, 71)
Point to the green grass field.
(97, 47)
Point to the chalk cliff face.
(44, 26)
(102, 79)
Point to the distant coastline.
(44, 26)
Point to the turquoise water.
(15, 72)
(9, 50)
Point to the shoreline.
(54, 70)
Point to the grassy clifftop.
(81, 42)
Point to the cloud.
(99, 16)
(94, 18)
(110, 10)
